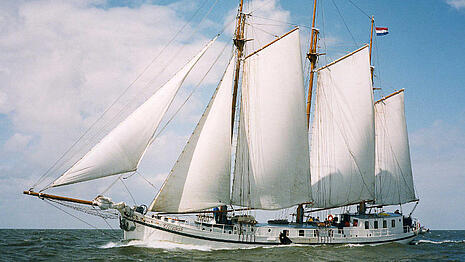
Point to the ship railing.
(217, 228)
(360, 232)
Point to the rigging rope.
(363, 12)
(283, 22)
(127, 189)
(111, 185)
(342, 18)
(48, 201)
(146, 180)
(264, 31)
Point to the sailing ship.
(359, 154)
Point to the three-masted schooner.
(359, 154)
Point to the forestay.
(272, 159)
(200, 178)
(342, 149)
(394, 181)
(121, 150)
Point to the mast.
(312, 56)
(371, 45)
(239, 43)
(362, 205)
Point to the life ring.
(330, 218)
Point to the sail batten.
(272, 159)
(342, 145)
(122, 149)
(200, 178)
(394, 180)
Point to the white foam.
(156, 244)
(439, 242)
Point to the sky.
(64, 63)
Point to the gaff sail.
(394, 180)
(272, 159)
(343, 142)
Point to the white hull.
(148, 229)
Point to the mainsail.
(200, 178)
(272, 159)
(121, 150)
(342, 146)
(394, 181)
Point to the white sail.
(200, 178)
(342, 146)
(394, 181)
(121, 150)
(272, 166)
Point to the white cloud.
(438, 154)
(17, 143)
(457, 4)
(67, 61)
(63, 63)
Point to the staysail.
(394, 181)
(342, 146)
(121, 150)
(200, 178)
(272, 159)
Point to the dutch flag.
(382, 31)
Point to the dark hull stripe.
(257, 243)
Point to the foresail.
(394, 181)
(272, 159)
(121, 150)
(200, 178)
(342, 145)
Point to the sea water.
(105, 245)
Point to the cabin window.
(367, 225)
(393, 223)
(375, 224)
(384, 224)
(301, 233)
(166, 219)
(269, 230)
(229, 231)
(355, 222)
